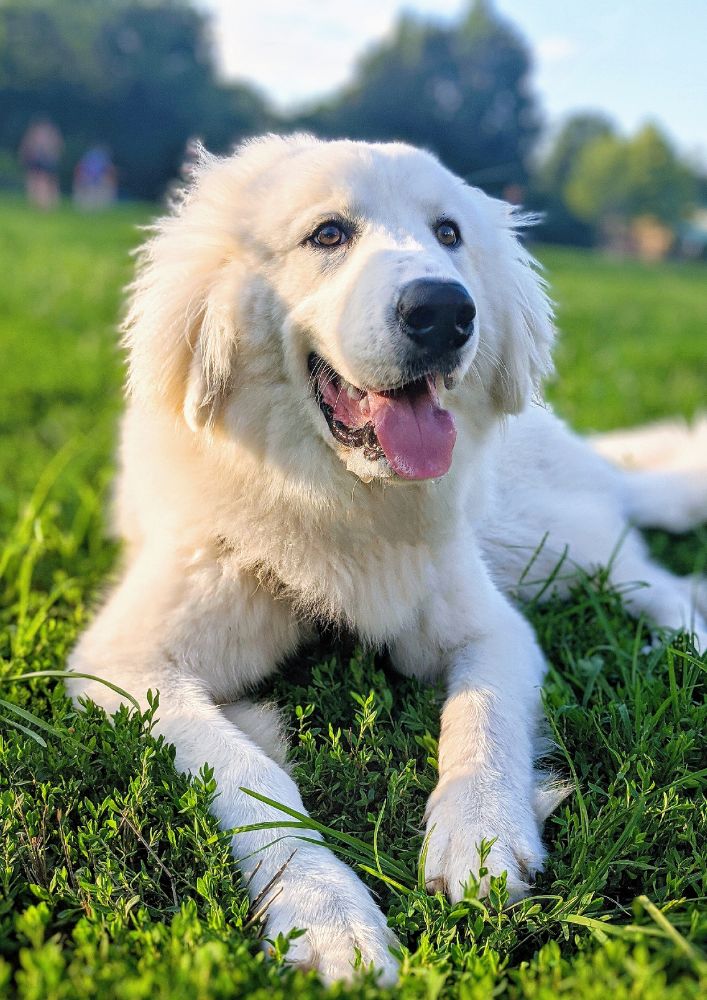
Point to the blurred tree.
(659, 183)
(597, 184)
(137, 75)
(626, 179)
(577, 132)
(550, 179)
(635, 192)
(461, 91)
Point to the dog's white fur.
(246, 523)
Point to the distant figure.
(95, 180)
(40, 153)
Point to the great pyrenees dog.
(335, 357)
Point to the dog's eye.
(447, 233)
(330, 234)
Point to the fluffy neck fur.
(275, 534)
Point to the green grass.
(634, 338)
(115, 879)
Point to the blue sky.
(635, 59)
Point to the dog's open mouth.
(406, 426)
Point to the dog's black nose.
(438, 316)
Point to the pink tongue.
(415, 433)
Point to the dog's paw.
(342, 925)
(464, 810)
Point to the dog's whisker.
(474, 369)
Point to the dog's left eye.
(330, 234)
(447, 232)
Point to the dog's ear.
(520, 325)
(181, 325)
(210, 368)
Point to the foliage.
(550, 178)
(135, 75)
(628, 178)
(593, 178)
(461, 91)
(116, 882)
(139, 77)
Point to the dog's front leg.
(174, 637)
(487, 786)
(293, 884)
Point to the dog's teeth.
(450, 381)
(351, 391)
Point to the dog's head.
(340, 294)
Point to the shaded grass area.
(115, 879)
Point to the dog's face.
(358, 289)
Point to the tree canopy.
(625, 179)
(138, 76)
(460, 90)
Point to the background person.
(40, 154)
(95, 180)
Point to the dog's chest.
(368, 567)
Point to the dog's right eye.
(330, 234)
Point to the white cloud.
(556, 48)
(299, 49)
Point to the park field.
(115, 881)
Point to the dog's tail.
(666, 472)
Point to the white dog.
(324, 341)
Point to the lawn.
(115, 879)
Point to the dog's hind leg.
(670, 445)
(672, 602)
(673, 501)
(567, 508)
(665, 473)
(595, 535)
(663, 484)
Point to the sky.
(637, 60)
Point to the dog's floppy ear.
(208, 379)
(181, 325)
(518, 355)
